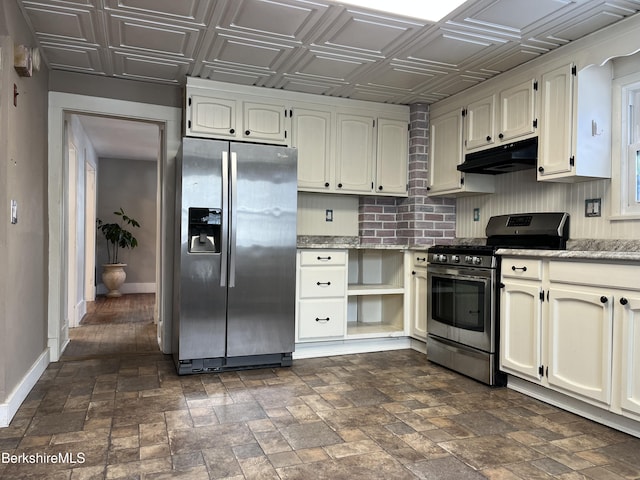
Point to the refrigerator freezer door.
(201, 294)
(262, 254)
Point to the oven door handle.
(461, 273)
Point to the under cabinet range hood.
(503, 159)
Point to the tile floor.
(116, 407)
(388, 415)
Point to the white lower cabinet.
(579, 339)
(321, 294)
(350, 294)
(418, 295)
(574, 329)
(627, 317)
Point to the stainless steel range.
(463, 294)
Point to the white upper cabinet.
(354, 153)
(264, 122)
(392, 147)
(312, 134)
(445, 154)
(208, 115)
(575, 124)
(497, 119)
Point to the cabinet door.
(554, 145)
(392, 157)
(261, 121)
(445, 152)
(419, 302)
(517, 112)
(580, 342)
(311, 135)
(521, 329)
(479, 123)
(354, 153)
(212, 116)
(629, 315)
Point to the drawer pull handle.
(514, 268)
(323, 283)
(322, 319)
(623, 301)
(324, 258)
(421, 259)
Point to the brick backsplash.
(417, 220)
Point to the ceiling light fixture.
(430, 10)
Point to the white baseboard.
(17, 396)
(347, 347)
(130, 288)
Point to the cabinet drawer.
(323, 257)
(317, 282)
(598, 274)
(522, 268)
(321, 318)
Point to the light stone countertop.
(571, 254)
(319, 241)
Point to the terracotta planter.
(113, 276)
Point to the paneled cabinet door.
(311, 135)
(629, 315)
(580, 342)
(262, 121)
(212, 116)
(418, 290)
(354, 153)
(555, 145)
(445, 152)
(517, 112)
(392, 156)
(521, 329)
(479, 123)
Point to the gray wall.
(132, 185)
(23, 177)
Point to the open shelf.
(374, 289)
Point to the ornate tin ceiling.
(312, 46)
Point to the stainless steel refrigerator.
(235, 260)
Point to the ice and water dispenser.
(205, 229)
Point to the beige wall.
(132, 185)
(23, 177)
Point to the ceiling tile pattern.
(311, 46)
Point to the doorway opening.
(112, 166)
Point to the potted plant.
(117, 237)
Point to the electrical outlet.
(328, 215)
(476, 214)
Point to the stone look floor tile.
(386, 415)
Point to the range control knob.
(442, 258)
(455, 258)
(477, 260)
(468, 259)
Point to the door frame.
(169, 121)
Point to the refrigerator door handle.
(233, 221)
(225, 219)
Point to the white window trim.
(623, 208)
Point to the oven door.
(460, 305)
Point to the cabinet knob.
(326, 184)
(413, 272)
(501, 136)
(339, 185)
(380, 188)
(541, 169)
(247, 132)
(623, 301)
(488, 138)
(603, 299)
(232, 131)
(428, 188)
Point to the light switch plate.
(14, 212)
(328, 215)
(593, 207)
(476, 214)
